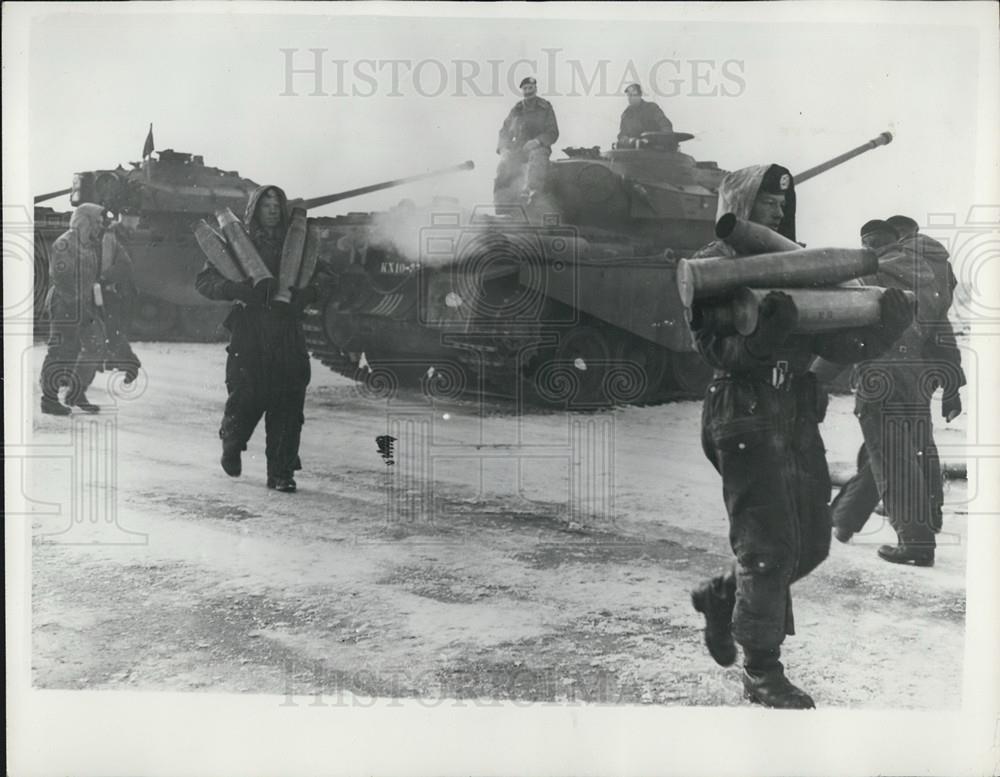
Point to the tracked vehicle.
(569, 300)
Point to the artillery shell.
(291, 256)
(217, 252)
(719, 276)
(749, 238)
(243, 249)
(820, 310)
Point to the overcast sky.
(751, 92)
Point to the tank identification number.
(396, 268)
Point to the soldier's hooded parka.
(80, 342)
(267, 370)
(74, 266)
(760, 430)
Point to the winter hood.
(739, 191)
(87, 220)
(255, 200)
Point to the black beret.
(527, 80)
(633, 88)
(777, 180)
(903, 224)
(877, 225)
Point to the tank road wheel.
(575, 375)
(152, 318)
(203, 323)
(644, 368)
(689, 373)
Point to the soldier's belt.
(776, 375)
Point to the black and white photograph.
(548, 388)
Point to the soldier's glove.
(239, 291)
(532, 144)
(951, 407)
(777, 317)
(264, 291)
(302, 298)
(896, 313)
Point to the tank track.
(321, 347)
(544, 382)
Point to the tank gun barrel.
(882, 140)
(51, 195)
(317, 202)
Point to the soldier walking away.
(524, 146)
(267, 369)
(760, 430)
(931, 251)
(640, 116)
(74, 271)
(899, 461)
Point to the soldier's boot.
(937, 519)
(232, 462)
(717, 607)
(907, 554)
(764, 682)
(53, 406)
(287, 485)
(131, 369)
(80, 400)
(842, 533)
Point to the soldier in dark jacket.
(524, 146)
(899, 461)
(267, 370)
(930, 251)
(760, 429)
(640, 116)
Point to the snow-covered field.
(543, 556)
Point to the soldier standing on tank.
(640, 116)
(524, 146)
(267, 369)
(760, 430)
(74, 269)
(899, 461)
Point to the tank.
(570, 300)
(158, 202)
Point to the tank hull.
(512, 309)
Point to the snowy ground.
(547, 556)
